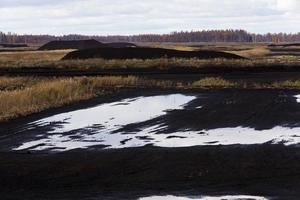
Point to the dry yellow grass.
(57, 92)
(51, 59)
(256, 52)
(177, 47)
(41, 96)
(290, 84)
(24, 56)
(162, 63)
(287, 84)
(213, 82)
(13, 83)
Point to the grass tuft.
(213, 82)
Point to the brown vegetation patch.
(22, 57)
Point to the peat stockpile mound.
(285, 45)
(72, 44)
(145, 53)
(82, 44)
(120, 45)
(13, 45)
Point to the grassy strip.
(14, 83)
(27, 56)
(47, 94)
(40, 97)
(221, 83)
(213, 82)
(288, 84)
(162, 63)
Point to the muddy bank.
(266, 170)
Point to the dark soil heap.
(120, 45)
(285, 45)
(12, 45)
(72, 44)
(145, 53)
(82, 44)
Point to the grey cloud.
(21, 3)
(147, 16)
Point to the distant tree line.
(183, 36)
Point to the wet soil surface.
(265, 167)
(265, 170)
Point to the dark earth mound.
(82, 44)
(12, 45)
(284, 45)
(120, 44)
(72, 44)
(145, 53)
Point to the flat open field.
(104, 124)
(32, 76)
(260, 58)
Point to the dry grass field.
(24, 95)
(24, 56)
(162, 63)
(258, 56)
(31, 95)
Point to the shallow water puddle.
(115, 115)
(93, 126)
(237, 197)
(103, 126)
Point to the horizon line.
(137, 34)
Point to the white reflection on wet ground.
(111, 116)
(297, 98)
(101, 125)
(237, 197)
(102, 120)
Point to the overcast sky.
(125, 17)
